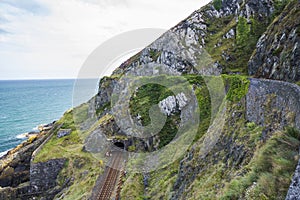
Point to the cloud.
(30, 6)
(2, 31)
(52, 38)
(2, 19)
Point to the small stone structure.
(63, 132)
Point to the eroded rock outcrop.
(277, 54)
(15, 165)
(218, 33)
(182, 48)
(271, 105)
(43, 175)
(169, 105)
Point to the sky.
(46, 39)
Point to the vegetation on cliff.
(245, 159)
(81, 166)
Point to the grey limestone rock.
(43, 175)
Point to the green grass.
(141, 103)
(150, 94)
(80, 113)
(270, 171)
(161, 182)
(133, 187)
(154, 54)
(81, 166)
(281, 148)
(147, 96)
(238, 87)
(219, 166)
(263, 162)
(279, 6)
(204, 103)
(217, 4)
(238, 48)
(265, 165)
(103, 108)
(84, 171)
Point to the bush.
(131, 148)
(293, 132)
(238, 87)
(217, 4)
(251, 126)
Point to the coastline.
(27, 137)
(25, 104)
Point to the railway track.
(111, 177)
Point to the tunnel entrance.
(119, 145)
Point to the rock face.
(168, 105)
(15, 166)
(277, 54)
(172, 103)
(97, 141)
(225, 33)
(21, 179)
(183, 48)
(218, 38)
(281, 98)
(15, 170)
(43, 175)
(43, 182)
(251, 7)
(186, 48)
(105, 91)
(269, 104)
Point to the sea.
(25, 104)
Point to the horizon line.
(33, 79)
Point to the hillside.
(210, 110)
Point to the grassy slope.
(161, 181)
(250, 172)
(84, 168)
(268, 174)
(81, 166)
(133, 187)
(253, 176)
(227, 175)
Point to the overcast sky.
(52, 38)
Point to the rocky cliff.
(246, 147)
(21, 179)
(232, 170)
(277, 52)
(227, 30)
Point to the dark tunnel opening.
(119, 145)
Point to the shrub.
(238, 87)
(217, 4)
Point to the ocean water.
(25, 104)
